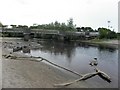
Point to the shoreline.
(107, 43)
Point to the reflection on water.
(76, 56)
(104, 48)
(59, 48)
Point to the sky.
(86, 13)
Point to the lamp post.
(108, 24)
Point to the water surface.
(76, 56)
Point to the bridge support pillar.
(26, 37)
(61, 38)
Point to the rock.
(26, 49)
(15, 49)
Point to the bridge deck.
(51, 32)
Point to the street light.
(108, 24)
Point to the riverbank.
(109, 43)
(31, 74)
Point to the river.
(76, 56)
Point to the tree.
(57, 25)
(106, 33)
(1, 24)
(63, 27)
(70, 24)
(22, 26)
(89, 29)
(4, 26)
(13, 26)
(78, 29)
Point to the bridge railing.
(55, 32)
(9, 30)
(94, 33)
(42, 31)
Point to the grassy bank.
(105, 42)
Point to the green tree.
(70, 24)
(118, 36)
(1, 24)
(13, 26)
(56, 26)
(22, 26)
(106, 33)
(63, 27)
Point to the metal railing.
(54, 32)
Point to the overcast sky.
(93, 13)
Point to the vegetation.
(106, 33)
(80, 29)
(118, 36)
(56, 26)
(0, 24)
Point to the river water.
(76, 56)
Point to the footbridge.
(42, 33)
